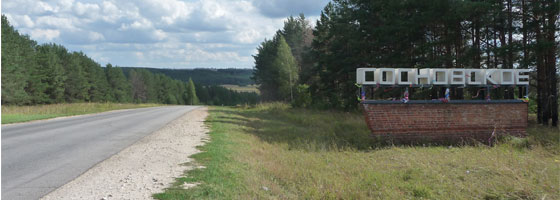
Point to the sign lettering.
(412, 76)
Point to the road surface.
(38, 157)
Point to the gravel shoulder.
(144, 168)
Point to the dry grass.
(275, 152)
(14, 114)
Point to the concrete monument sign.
(443, 120)
(468, 77)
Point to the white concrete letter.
(423, 77)
(491, 76)
(410, 76)
(361, 76)
(440, 76)
(521, 78)
(387, 76)
(475, 74)
(508, 77)
(457, 76)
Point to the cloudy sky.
(158, 33)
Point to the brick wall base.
(445, 123)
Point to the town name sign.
(441, 76)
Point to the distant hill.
(201, 76)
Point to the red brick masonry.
(445, 122)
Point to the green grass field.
(276, 152)
(247, 88)
(14, 114)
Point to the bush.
(303, 96)
(171, 99)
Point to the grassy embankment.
(14, 114)
(276, 152)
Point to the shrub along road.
(39, 157)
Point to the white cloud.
(168, 11)
(65, 5)
(23, 21)
(64, 23)
(95, 36)
(43, 7)
(213, 9)
(110, 12)
(142, 24)
(83, 9)
(159, 35)
(28, 22)
(248, 36)
(45, 34)
(284, 8)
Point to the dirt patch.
(144, 168)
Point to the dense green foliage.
(49, 73)
(17, 58)
(276, 69)
(205, 76)
(279, 62)
(420, 34)
(192, 99)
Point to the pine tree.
(192, 99)
(139, 88)
(54, 73)
(120, 87)
(38, 78)
(264, 75)
(181, 89)
(96, 80)
(76, 85)
(297, 33)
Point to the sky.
(158, 33)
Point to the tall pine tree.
(192, 99)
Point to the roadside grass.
(273, 151)
(222, 176)
(14, 114)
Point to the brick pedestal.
(424, 121)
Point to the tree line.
(205, 76)
(49, 73)
(412, 34)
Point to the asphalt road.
(38, 157)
